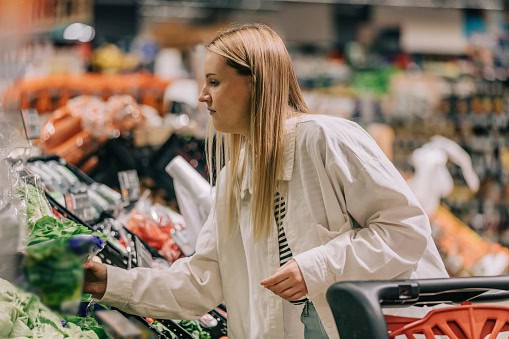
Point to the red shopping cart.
(357, 308)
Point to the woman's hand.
(95, 279)
(287, 282)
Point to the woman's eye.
(213, 83)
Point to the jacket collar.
(288, 157)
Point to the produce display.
(53, 196)
(464, 251)
(78, 129)
(60, 180)
(52, 239)
(161, 227)
(51, 92)
(22, 315)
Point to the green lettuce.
(22, 315)
(53, 271)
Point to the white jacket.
(350, 216)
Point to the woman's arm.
(394, 231)
(187, 290)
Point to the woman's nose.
(204, 97)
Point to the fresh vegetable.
(64, 125)
(157, 236)
(54, 273)
(54, 259)
(22, 315)
(193, 327)
(36, 203)
(88, 324)
(159, 327)
(65, 172)
(48, 228)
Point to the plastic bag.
(174, 224)
(32, 198)
(156, 236)
(53, 264)
(10, 140)
(120, 113)
(11, 239)
(194, 195)
(125, 113)
(430, 161)
(12, 210)
(147, 226)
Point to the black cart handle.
(357, 305)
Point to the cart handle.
(357, 305)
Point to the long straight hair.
(255, 50)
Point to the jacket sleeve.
(388, 231)
(187, 290)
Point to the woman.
(303, 201)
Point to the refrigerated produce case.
(213, 325)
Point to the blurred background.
(112, 85)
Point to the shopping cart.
(357, 308)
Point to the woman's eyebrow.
(209, 74)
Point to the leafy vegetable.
(54, 273)
(48, 228)
(163, 329)
(193, 327)
(22, 315)
(53, 268)
(88, 324)
(36, 203)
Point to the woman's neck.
(291, 113)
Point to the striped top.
(285, 254)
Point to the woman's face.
(227, 95)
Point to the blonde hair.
(257, 51)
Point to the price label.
(31, 123)
(79, 204)
(143, 256)
(129, 185)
